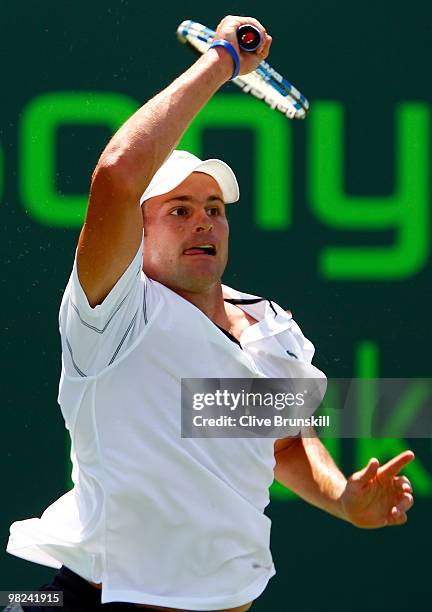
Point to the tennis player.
(156, 520)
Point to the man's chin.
(193, 282)
(191, 279)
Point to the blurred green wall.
(334, 224)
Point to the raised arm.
(113, 227)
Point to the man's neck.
(211, 303)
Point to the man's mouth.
(201, 249)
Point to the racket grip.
(248, 37)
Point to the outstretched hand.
(377, 496)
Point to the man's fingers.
(396, 518)
(230, 23)
(397, 514)
(251, 21)
(266, 40)
(266, 48)
(363, 476)
(227, 30)
(405, 503)
(402, 484)
(394, 466)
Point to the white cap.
(180, 164)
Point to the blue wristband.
(231, 50)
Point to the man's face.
(176, 225)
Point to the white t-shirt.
(157, 518)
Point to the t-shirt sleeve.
(94, 338)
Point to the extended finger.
(393, 467)
(363, 476)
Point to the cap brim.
(224, 176)
(215, 168)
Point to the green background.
(357, 177)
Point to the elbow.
(126, 169)
(112, 179)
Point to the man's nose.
(203, 223)
(207, 227)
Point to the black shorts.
(78, 595)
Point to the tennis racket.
(263, 83)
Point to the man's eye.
(180, 211)
(214, 212)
